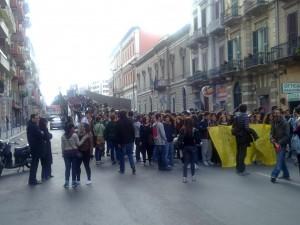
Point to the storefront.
(292, 92)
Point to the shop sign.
(293, 97)
(290, 88)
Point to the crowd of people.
(159, 138)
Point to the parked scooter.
(19, 159)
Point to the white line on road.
(283, 181)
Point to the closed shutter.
(230, 50)
(255, 42)
(292, 27)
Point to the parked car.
(56, 123)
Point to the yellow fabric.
(225, 143)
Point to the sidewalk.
(13, 133)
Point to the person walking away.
(110, 137)
(280, 132)
(99, 130)
(35, 139)
(206, 149)
(69, 146)
(240, 129)
(86, 150)
(125, 140)
(170, 134)
(160, 139)
(146, 140)
(46, 159)
(188, 140)
(137, 140)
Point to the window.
(217, 9)
(260, 40)
(184, 99)
(203, 21)
(195, 23)
(292, 27)
(204, 61)
(237, 95)
(233, 47)
(195, 65)
(144, 79)
(221, 55)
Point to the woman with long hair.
(69, 146)
(46, 159)
(86, 150)
(188, 140)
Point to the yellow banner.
(225, 143)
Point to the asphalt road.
(219, 197)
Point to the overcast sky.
(73, 39)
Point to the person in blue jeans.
(170, 134)
(160, 140)
(125, 140)
(280, 133)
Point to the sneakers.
(133, 171)
(75, 184)
(205, 163)
(193, 179)
(184, 180)
(89, 182)
(273, 180)
(66, 185)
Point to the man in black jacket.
(240, 130)
(125, 139)
(35, 140)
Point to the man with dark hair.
(280, 135)
(240, 129)
(35, 139)
(125, 139)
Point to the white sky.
(73, 39)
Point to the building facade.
(162, 75)
(239, 51)
(19, 84)
(100, 87)
(134, 44)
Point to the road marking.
(281, 180)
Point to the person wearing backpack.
(110, 137)
(160, 139)
(188, 139)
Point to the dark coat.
(110, 132)
(47, 151)
(125, 132)
(280, 131)
(35, 139)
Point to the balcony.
(160, 85)
(4, 32)
(257, 61)
(255, 7)
(4, 3)
(231, 67)
(232, 16)
(286, 52)
(198, 77)
(19, 36)
(4, 61)
(17, 8)
(216, 27)
(199, 37)
(18, 54)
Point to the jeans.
(112, 148)
(86, 162)
(154, 155)
(280, 165)
(161, 157)
(206, 150)
(128, 150)
(70, 163)
(190, 156)
(33, 169)
(170, 153)
(240, 157)
(99, 152)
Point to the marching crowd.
(160, 138)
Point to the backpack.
(154, 132)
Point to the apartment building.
(245, 58)
(134, 44)
(100, 87)
(162, 75)
(19, 85)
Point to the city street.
(218, 197)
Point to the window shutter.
(230, 50)
(266, 41)
(255, 42)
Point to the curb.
(15, 136)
